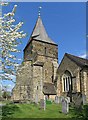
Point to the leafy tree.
(10, 39)
(5, 93)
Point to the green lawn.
(34, 111)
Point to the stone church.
(37, 73)
(41, 76)
(73, 77)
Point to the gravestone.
(84, 99)
(60, 99)
(46, 97)
(36, 99)
(2, 104)
(78, 101)
(43, 104)
(68, 98)
(65, 105)
(56, 99)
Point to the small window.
(52, 79)
(37, 87)
(45, 50)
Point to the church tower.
(36, 76)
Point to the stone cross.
(65, 105)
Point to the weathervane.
(39, 12)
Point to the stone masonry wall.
(84, 84)
(28, 52)
(69, 65)
(87, 85)
(23, 88)
(37, 83)
(31, 76)
(48, 54)
(45, 49)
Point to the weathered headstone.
(65, 105)
(84, 99)
(68, 98)
(43, 104)
(56, 99)
(78, 101)
(2, 104)
(61, 98)
(36, 99)
(46, 97)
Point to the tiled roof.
(78, 60)
(49, 89)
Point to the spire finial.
(39, 12)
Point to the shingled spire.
(39, 33)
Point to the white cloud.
(85, 55)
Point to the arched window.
(67, 81)
(64, 84)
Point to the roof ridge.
(78, 60)
(76, 56)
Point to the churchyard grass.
(33, 111)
